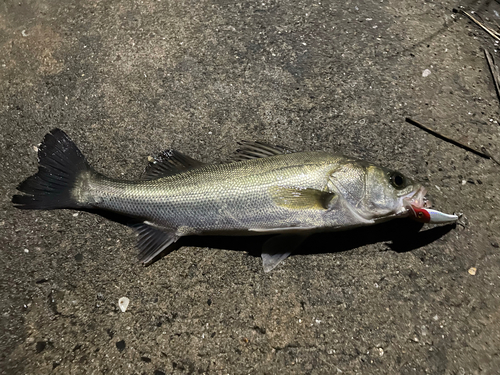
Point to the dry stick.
(496, 79)
(490, 31)
(485, 155)
(493, 70)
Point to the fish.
(264, 190)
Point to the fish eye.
(397, 180)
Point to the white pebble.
(123, 303)
(426, 73)
(424, 330)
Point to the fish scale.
(234, 196)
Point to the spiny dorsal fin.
(254, 150)
(297, 198)
(152, 241)
(169, 162)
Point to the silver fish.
(267, 190)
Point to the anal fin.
(152, 241)
(278, 248)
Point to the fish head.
(389, 193)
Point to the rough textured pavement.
(127, 79)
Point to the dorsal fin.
(254, 150)
(169, 162)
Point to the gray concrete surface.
(126, 79)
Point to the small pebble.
(424, 330)
(40, 346)
(120, 345)
(472, 271)
(426, 73)
(123, 303)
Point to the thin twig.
(493, 70)
(487, 153)
(445, 138)
(490, 31)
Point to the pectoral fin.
(278, 248)
(152, 241)
(298, 198)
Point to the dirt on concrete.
(126, 79)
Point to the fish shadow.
(402, 236)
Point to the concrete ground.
(126, 79)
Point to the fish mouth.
(415, 199)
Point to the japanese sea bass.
(266, 190)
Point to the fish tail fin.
(60, 165)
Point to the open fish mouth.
(416, 199)
(418, 207)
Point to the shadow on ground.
(402, 235)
